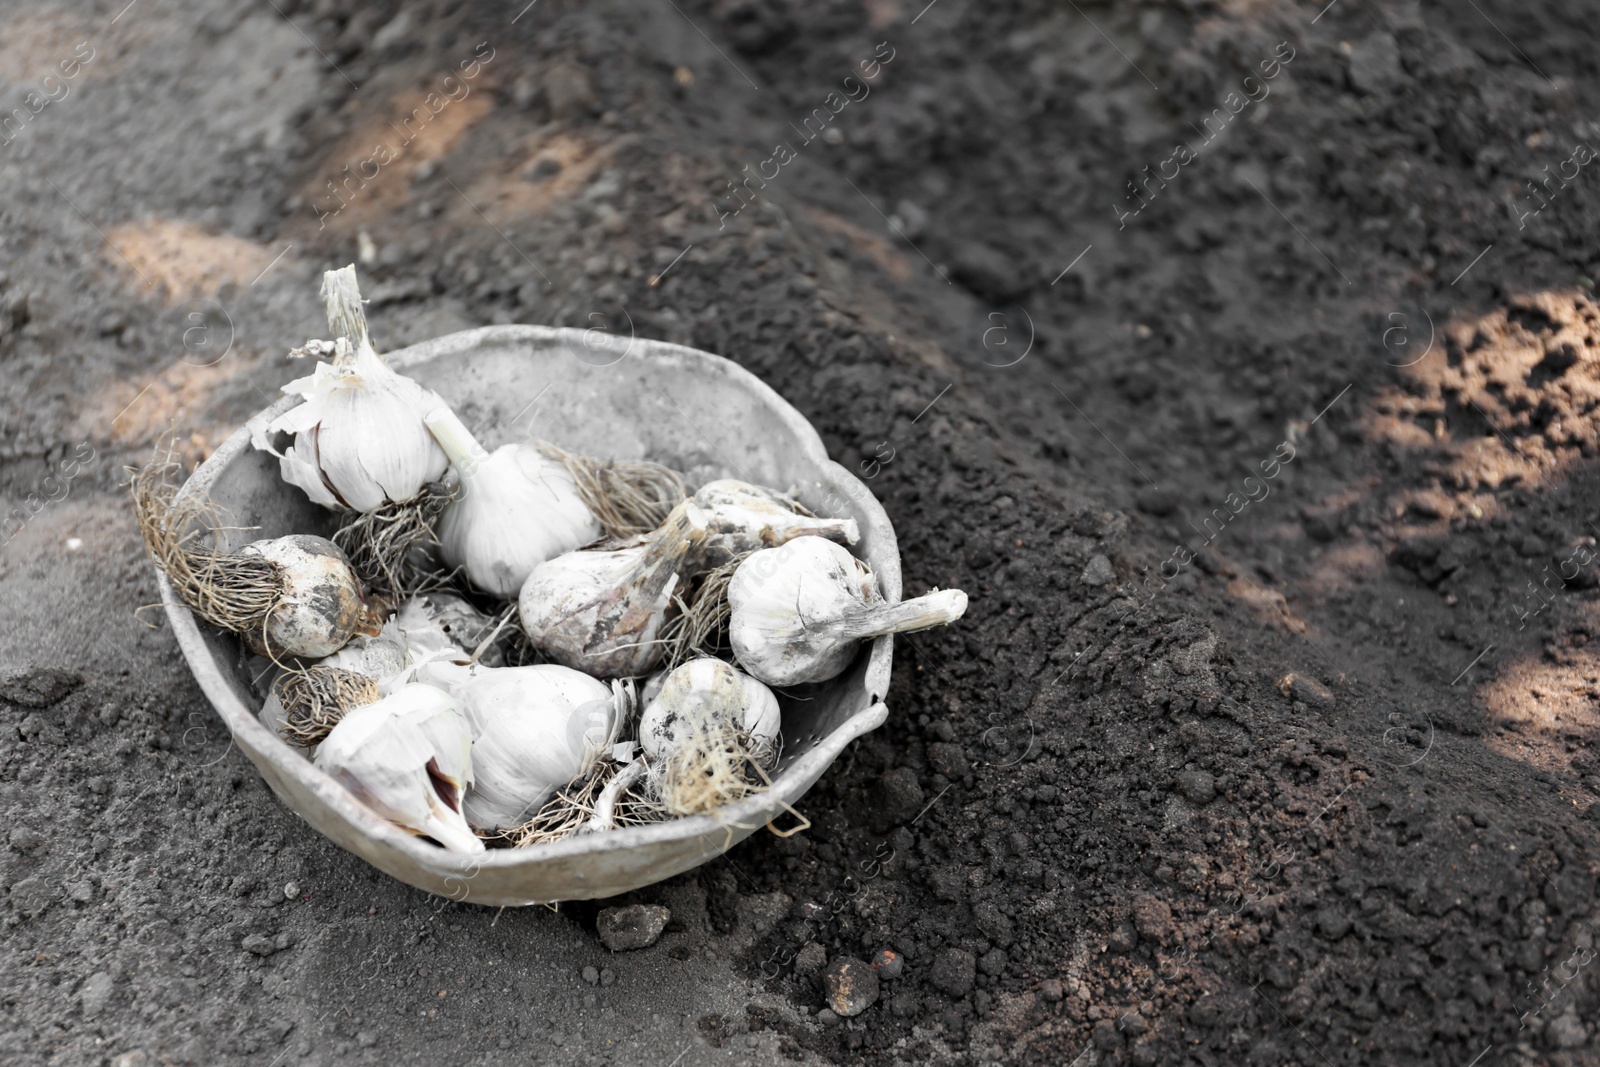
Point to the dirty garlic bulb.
(294, 595)
(319, 606)
(800, 611)
(745, 517)
(534, 729)
(517, 508)
(601, 612)
(709, 691)
(708, 738)
(408, 757)
(359, 440)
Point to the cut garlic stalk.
(801, 610)
(534, 730)
(409, 758)
(359, 440)
(743, 517)
(601, 612)
(517, 508)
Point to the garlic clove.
(743, 518)
(534, 729)
(602, 612)
(516, 510)
(800, 611)
(409, 758)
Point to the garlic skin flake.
(745, 517)
(517, 509)
(601, 612)
(409, 758)
(319, 605)
(534, 729)
(800, 611)
(702, 694)
(359, 439)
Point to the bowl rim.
(747, 814)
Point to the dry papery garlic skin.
(534, 729)
(408, 757)
(319, 607)
(800, 611)
(742, 517)
(702, 694)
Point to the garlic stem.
(457, 441)
(938, 608)
(345, 314)
(605, 806)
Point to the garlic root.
(627, 499)
(315, 698)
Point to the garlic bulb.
(534, 730)
(801, 610)
(704, 693)
(409, 758)
(319, 605)
(743, 517)
(294, 595)
(601, 612)
(517, 509)
(359, 440)
(708, 739)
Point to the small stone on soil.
(889, 964)
(1098, 572)
(1308, 690)
(850, 985)
(633, 927)
(96, 992)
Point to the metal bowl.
(611, 397)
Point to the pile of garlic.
(536, 681)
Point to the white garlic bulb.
(517, 508)
(409, 758)
(534, 730)
(359, 440)
(601, 612)
(800, 611)
(318, 606)
(700, 696)
(743, 517)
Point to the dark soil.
(1268, 736)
